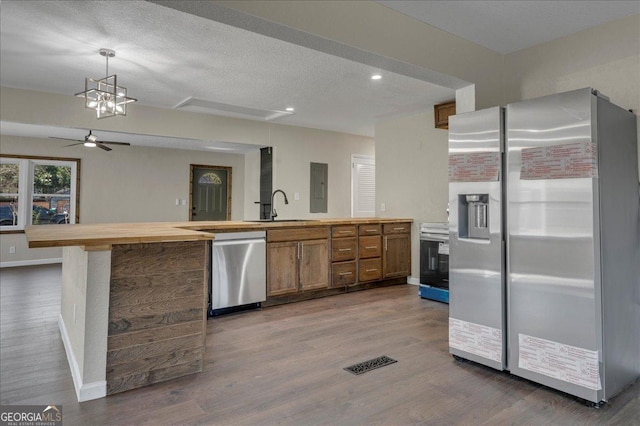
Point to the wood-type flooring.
(284, 365)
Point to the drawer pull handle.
(346, 273)
(370, 247)
(370, 230)
(344, 249)
(345, 232)
(399, 229)
(371, 270)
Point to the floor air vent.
(371, 364)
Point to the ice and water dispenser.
(473, 220)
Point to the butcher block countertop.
(101, 236)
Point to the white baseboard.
(30, 262)
(413, 280)
(84, 392)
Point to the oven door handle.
(434, 237)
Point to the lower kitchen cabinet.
(396, 254)
(343, 273)
(311, 259)
(370, 269)
(282, 268)
(314, 264)
(295, 266)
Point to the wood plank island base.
(134, 296)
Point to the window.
(37, 191)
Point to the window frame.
(26, 165)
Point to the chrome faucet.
(274, 213)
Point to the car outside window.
(37, 191)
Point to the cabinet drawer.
(397, 228)
(298, 234)
(343, 273)
(370, 269)
(343, 231)
(370, 246)
(370, 229)
(343, 249)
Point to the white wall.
(128, 184)
(295, 149)
(606, 58)
(139, 184)
(411, 155)
(412, 173)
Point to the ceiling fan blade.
(65, 139)
(73, 144)
(99, 145)
(116, 143)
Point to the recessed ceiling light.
(376, 77)
(290, 109)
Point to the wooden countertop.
(105, 234)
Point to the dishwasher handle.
(236, 242)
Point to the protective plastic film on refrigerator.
(573, 244)
(476, 298)
(572, 259)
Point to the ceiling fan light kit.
(104, 95)
(91, 141)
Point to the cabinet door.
(282, 268)
(397, 255)
(314, 264)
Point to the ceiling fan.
(91, 141)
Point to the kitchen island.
(134, 296)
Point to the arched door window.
(210, 197)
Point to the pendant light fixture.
(104, 95)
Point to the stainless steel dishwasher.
(238, 271)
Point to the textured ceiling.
(195, 55)
(164, 56)
(509, 26)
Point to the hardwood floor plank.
(284, 365)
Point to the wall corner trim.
(84, 391)
(30, 262)
(413, 280)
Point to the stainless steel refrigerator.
(569, 237)
(477, 321)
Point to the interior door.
(210, 193)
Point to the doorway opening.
(210, 193)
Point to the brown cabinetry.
(360, 259)
(282, 268)
(396, 255)
(297, 260)
(370, 269)
(344, 251)
(304, 259)
(441, 113)
(314, 264)
(343, 273)
(370, 246)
